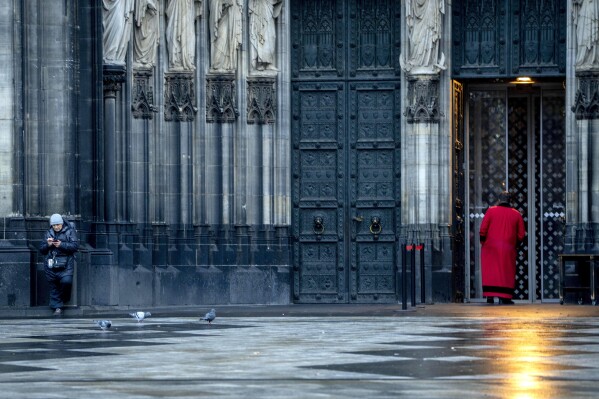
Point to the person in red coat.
(501, 231)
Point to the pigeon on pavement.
(139, 316)
(209, 316)
(104, 324)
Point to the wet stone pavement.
(442, 351)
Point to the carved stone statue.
(117, 20)
(145, 37)
(225, 33)
(425, 25)
(180, 33)
(585, 14)
(263, 14)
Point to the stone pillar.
(114, 77)
(426, 141)
(9, 150)
(422, 188)
(582, 132)
(17, 271)
(582, 233)
(221, 126)
(143, 128)
(102, 267)
(259, 140)
(422, 152)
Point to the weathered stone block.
(15, 275)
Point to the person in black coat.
(59, 246)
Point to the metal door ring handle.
(318, 226)
(375, 225)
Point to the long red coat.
(501, 230)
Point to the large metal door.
(346, 165)
(516, 141)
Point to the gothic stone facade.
(201, 171)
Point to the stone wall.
(175, 204)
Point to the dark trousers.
(61, 283)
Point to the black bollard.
(422, 280)
(404, 281)
(413, 274)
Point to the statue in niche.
(585, 15)
(117, 22)
(425, 23)
(225, 33)
(263, 15)
(180, 33)
(145, 38)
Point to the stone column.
(426, 141)
(15, 255)
(114, 77)
(11, 153)
(424, 191)
(103, 265)
(221, 123)
(582, 133)
(583, 231)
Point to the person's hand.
(56, 243)
(50, 241)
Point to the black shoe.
(505, 301)
(490, 300)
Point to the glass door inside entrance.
(516, 142)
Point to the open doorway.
(515, 140)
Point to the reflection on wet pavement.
(302, 357)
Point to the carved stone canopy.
(114, 75)
(262, 100)
(586, 101)
(221, 95)
(423, 99)
(179, 97)
(142, 103)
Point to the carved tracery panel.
(375, 37)
(508, 37)
(317, 39)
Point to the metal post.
(422, 280)
(404, 281)
(413, 274)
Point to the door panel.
(346, 248)
(374, 182)
(319, 217)
(345, 133)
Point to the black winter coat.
(63, 255)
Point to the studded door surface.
(374, 192)
(345, 134)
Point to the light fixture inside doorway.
(523, 80)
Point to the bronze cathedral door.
(346, 150)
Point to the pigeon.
(140, 316)
(209, 316)
(104, 324)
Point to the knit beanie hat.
(56, 219)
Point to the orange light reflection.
(524, 352)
